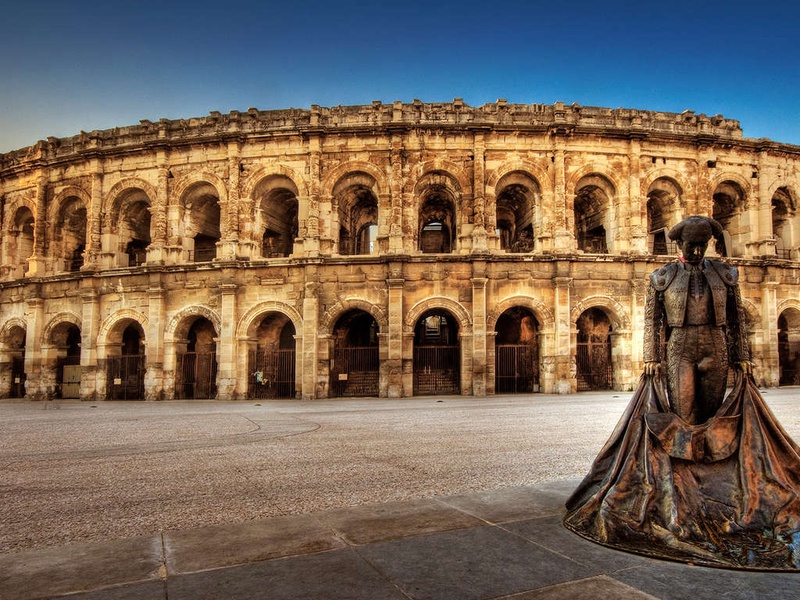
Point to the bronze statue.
(690, 473)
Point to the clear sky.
(72, 65)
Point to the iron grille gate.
(354, 371)
(594, 366)
(196, 376)
(516, 369)
(17, 375)
(437, 370)
(271, 373)
(125, 377)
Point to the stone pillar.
(37, 263)
(394, 341)
(94, 242)
(228, 369)
(395, 220)
(309, 216)
(479, 354)
(90, 328)
(154, 341)
(639, 234)
(564, 359)
(764, 344)
(158, 215)
(34, 357)
(229, 233)
(562, 210)
(310, 387)
(767, 243)
(479, 233)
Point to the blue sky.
(67, 66)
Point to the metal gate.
(355, 371)
(594, 366)
(196, 375)
(516, 369)
(17, 376)
(271, 373)
(437, 370)
(125, 377)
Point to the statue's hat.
(696, 229)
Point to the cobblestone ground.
(78, 471)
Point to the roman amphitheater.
(383, 250)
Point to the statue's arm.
(653, 321)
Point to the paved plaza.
(436, 497)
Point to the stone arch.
(119, 195)
(439, 204)
(118, 321)
(620, 319)
(541, 311)
(65, 317)
(594, 203)
(69, 217)
(728, 176)
(254, 179)
(440, 302)
(514, 209)
(592, 170)
(10, 324)
(275, 211)
(341, 172)
(71, 191)
(186, 182)
(788, 303)
(179, 324)
(250, 320)
(356, 200)
(201, 197)
(531, 169)
(460, 181)
(728, 202)
(13, 207)
(328, 319)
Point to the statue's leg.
(682, 372)
(712, 371)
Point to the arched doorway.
(196, 375)
(12, 367)
(593, 352)
(437, 354)
(789, 347)
(67, 340)
(126, 369)
(355, 366)
(517, 352)
(271, 362)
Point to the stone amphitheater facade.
(384, 250)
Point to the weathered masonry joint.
(386, 250)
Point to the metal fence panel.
(516, 369)
(125, 377)
(271, 373)
(437, 370)
(355, 371)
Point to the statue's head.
(692, 236)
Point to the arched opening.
(789, 347)
(783, 215)
(437, 223)
(516, 203)
(19, 245)
(356, 365)
(437, 354)
(134, 227)
(271, 364)
(276, 215)
(358, 214)
(663, 202)
(592, 209)
(12, 367)
(201, 203)
(593, 352)
(126, 364)
(517, 352)
(728, 205)
(196, 375)
(66, 339)
(69, 234)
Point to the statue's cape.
(723, 493)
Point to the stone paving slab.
(503, 545)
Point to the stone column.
(156, 254)
(310, 387)
(154, 341)
(395, 220)
(479, 233)
(309, 216)
(639, 234)
(764, 346)
(92, 381)
(228, 369)
(767, 243)
(94, 248)
(564, 227)
(37, 263)
(564, 359)
(479, 366)
(229, 240)
(34, 357)
(394, 341)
